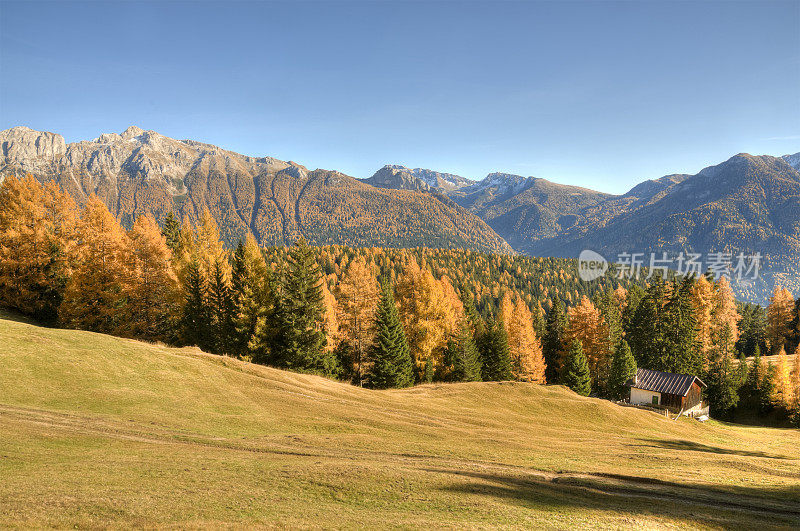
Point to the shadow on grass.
(9, 315)
(632, 495)
(692, 446)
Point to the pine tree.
(576, 370)
(462, 358)
(358, 295)
(722, 381)
(623, 369)
(389, 354)
(220, 304)
(172, 233)
(195, 317)
(95, 297)
(646, 330)
(495, 356)
(152, 291)
(552, 343)
(300, 341)
(679, 353)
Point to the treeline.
(385, 317)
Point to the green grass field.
(100, 431)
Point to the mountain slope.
(130, 434)
(747, 204)
(139, 171)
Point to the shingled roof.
(664, 382)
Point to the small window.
(655, 400)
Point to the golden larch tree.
(95, 295)
(152, 290)
(702, 297)
(358, 299)
(527, 360)
(585, 324)
(779, 317)
(782, 392)
(36, 237)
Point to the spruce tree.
(252, 299)
(623, 369)
(171, 231)
(552, 341)
(300, 340)
(679, 352)
(462, 357)
(389, 354)
(195, 320)
(495, 354)
(647, 327)
(221, 308)
(576, 370)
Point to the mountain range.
(745, 204)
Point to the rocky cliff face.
(397, 177)
(30, 150)
(140, 171)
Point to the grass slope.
(98, 430)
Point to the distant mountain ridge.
(745, 204)
(140, 171)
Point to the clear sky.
(598, 94)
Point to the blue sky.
(597, 94)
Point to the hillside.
(106, 431)
(746, 204)
(139, 171)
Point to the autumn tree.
(525, 349)
(95, 295)
(358, 294)
(779, 317)
(152, 290)
(431, 315)
(252, 296)
(587, 326)
(36, 236)
(702, 297)
(782, 392)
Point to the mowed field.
(100, 431)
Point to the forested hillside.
(387, 317)
(138, 172)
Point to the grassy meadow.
(101, 431)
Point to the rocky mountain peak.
(29, 149)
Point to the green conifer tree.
(576, 370)
(195, 319)
(172, 232)
(552, 342)
(462, 357)
(495, 353)
(300, 340)
(623, 369)
(221, 307)
(390, 356)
